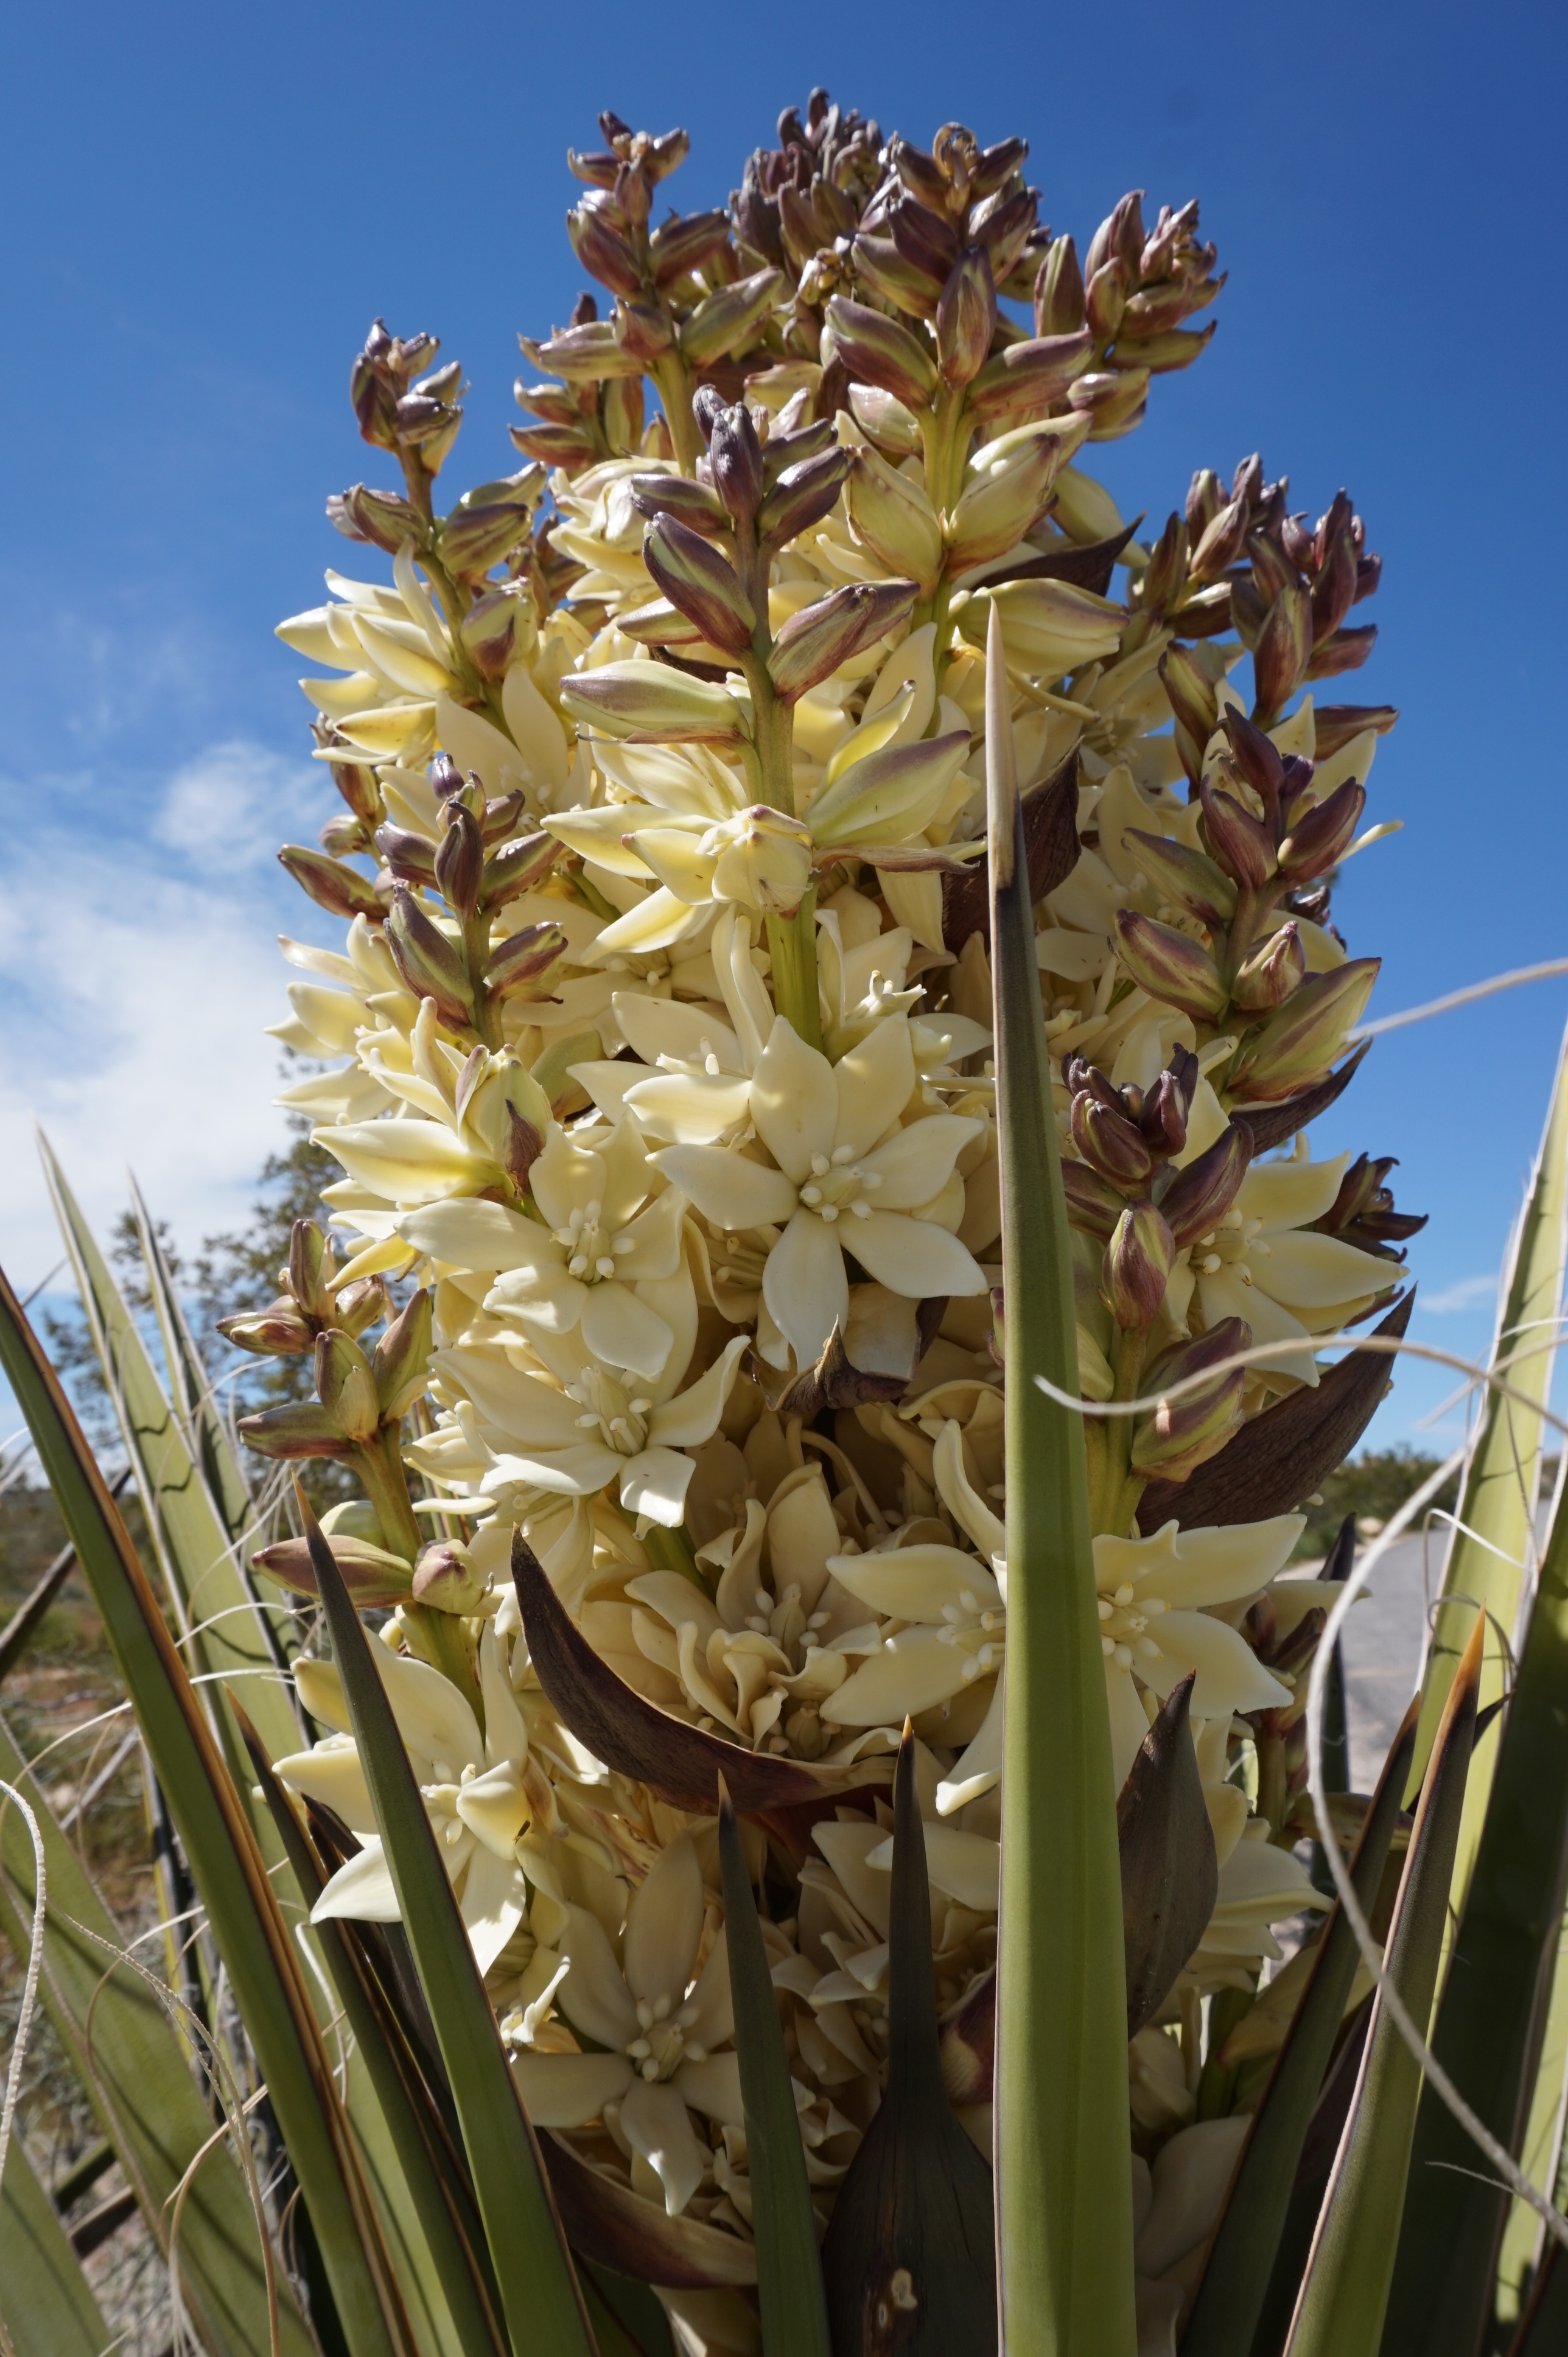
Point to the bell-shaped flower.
(659, 2032)
(833, 1135)
(586, 1427)
(606, 1242)
(1265, 1264)
(1154, 1628)
(480, 1791)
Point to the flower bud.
(1198, 1197)
(1167, 1105)
(1220, 542)
(1318, 838)
(887, 796)
(510, 1113)
(444, 1581)
(895, 520)
(361, 1305)
(803, 494)
(373, 1577)
(1111, 1144)
(1003, 227)
(926, 238)
(737, 456)
(884, 420)
(1021, 383)
(410, 856)
(1184, 876)
(494, 627)
(402, 1360)
(877, 351)
(279, 1331)
(1060, 306)
(642, 334)
(1256, 756)
(1092, 1203)
(311, 1269)
(1105, 299)
(331, 886)
(653, 703)
(812, 643)
(1192, 699)
(345, 1385)
(966, 317)
(460, 860)
(1274, 969)
(1138, 1262)
(1241, 844)
(1177, 1438)
(783, 448)
(1302, 1037)
(591, 351)
(522, 959)
(1284, 649)
(676, 495)
(1008, 483)
(510, 871)
(1170, 966)
(699, 581)
(708, 405)
(601, 249)
(764, 860)
(429, 963)
(882, 268)
(1114, 400)
(1165, 575)
(303, 1428)
(723, 321)
(685, 245)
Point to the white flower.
(833, 1132)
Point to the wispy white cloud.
(138, 976)
(1468, 1293)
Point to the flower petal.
(727, 1188)
(486, 1237)
(667, 1026)
(654, 2122)
(980, 1769)
(653, 1238)
(494, 1898)
(1314, 1272)
(594, 1996)
(655, 1483)
(664, 1923)
(361, 1890)
(1190, 1568)
(794, 1100)
(805, 1286)
(913, 1671)
(623, 1331)
(875, 1082)
(712, 2088)
(917, 1583)
(1224, 1296)
(966, 1866)
(1229, 1675)
(568, 2091)
(918, 1161)
(1290, 1194)
(692, 1108)
(914, 1257)
(692, 1417)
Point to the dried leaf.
(614, 2227)
(1170, 1876)
(1089, 567)
(1051, 847)
(1276, 1125)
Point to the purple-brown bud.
(877, 351)
(802, 496)
(812, 643)
(1193, 700)
(303, 1428)
(1319, 836)
(1301, 1038)
(1184, 876)
(1283, 651)
(460, 860)
(699, 581)
(346, 1386)
(1168, 1103)
(1242, 845)
(402, 1360)
(429, 963)
(1060, 306)
(1198, 1197)
(373, 1577)
(279, 1331)
(966, 317)
(737, 457)
(1021, 383)
(1275, 968)
(522, 958)
(312, 1270)
(1220, 542)
(510, 871)
(1180, 1434)
(337, 889)
(1091, 1203)
(676, 495)
(1111, 1144)
(1170, 966)
(1137, 1266)
(443, 1580)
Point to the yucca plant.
(764, 1821)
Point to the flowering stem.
(675, 394)
(670, 1550)
(380, 1468)
(439, 1637)
(792, 942)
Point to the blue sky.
(205, 208)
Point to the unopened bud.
(1023, 381)
(926, 238)
(723, 321)
(1242, 845)
(360, 1304)
(1138, 1262)
(811, 644)
(346, 1386)
(966, 317)
(1007, 486)
(402, 1361)
(1272, 971)
(1180, 1434)
(601, 249)
(1256, 756)
(1198, 1197)
(311, 1269)
(1220, 542)
(384, 519)
(895, 520)
(1193, 700)
(1170, 966)
(522, 958)
(509, 1111)
(803, 494)
(1302, 1037)
(279, 1331)
(1284, 649)
(1092, 1203)
(460, 860)
(410, 856)
(1060, 306)
(1111, 1144)
(1167, 1105)
(651, 703)
(877, 351)
(699, 581)
(685, 244)
(373, 1577)
(708, 406)
(304, 1428)
(1165, 575)
(443, 1580)
(882, 268)
(884, 420)
(330, 885)
(428, 961)
(676, 495)
(496, 626)
(737, 456)
(1189, 878)
(510, 871)
(1105, 299)
(1318, 838)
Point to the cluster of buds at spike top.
(312, 1300)
(1363, 1212)
(361, 1399)
(398, 409)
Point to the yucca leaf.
(1543, 2327)
(46, 2302)
(1230, 2298)
(541, 2299)
(1496, 1519)
(910, 2260)
(215, 1832)
(1063, 2189)
(440, 2191)
(192, 1539)
(789, 2273)
(1526, 2246)
(1492, 2019)
(1345, 2292)
(133, 2065)
(627, 2316)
